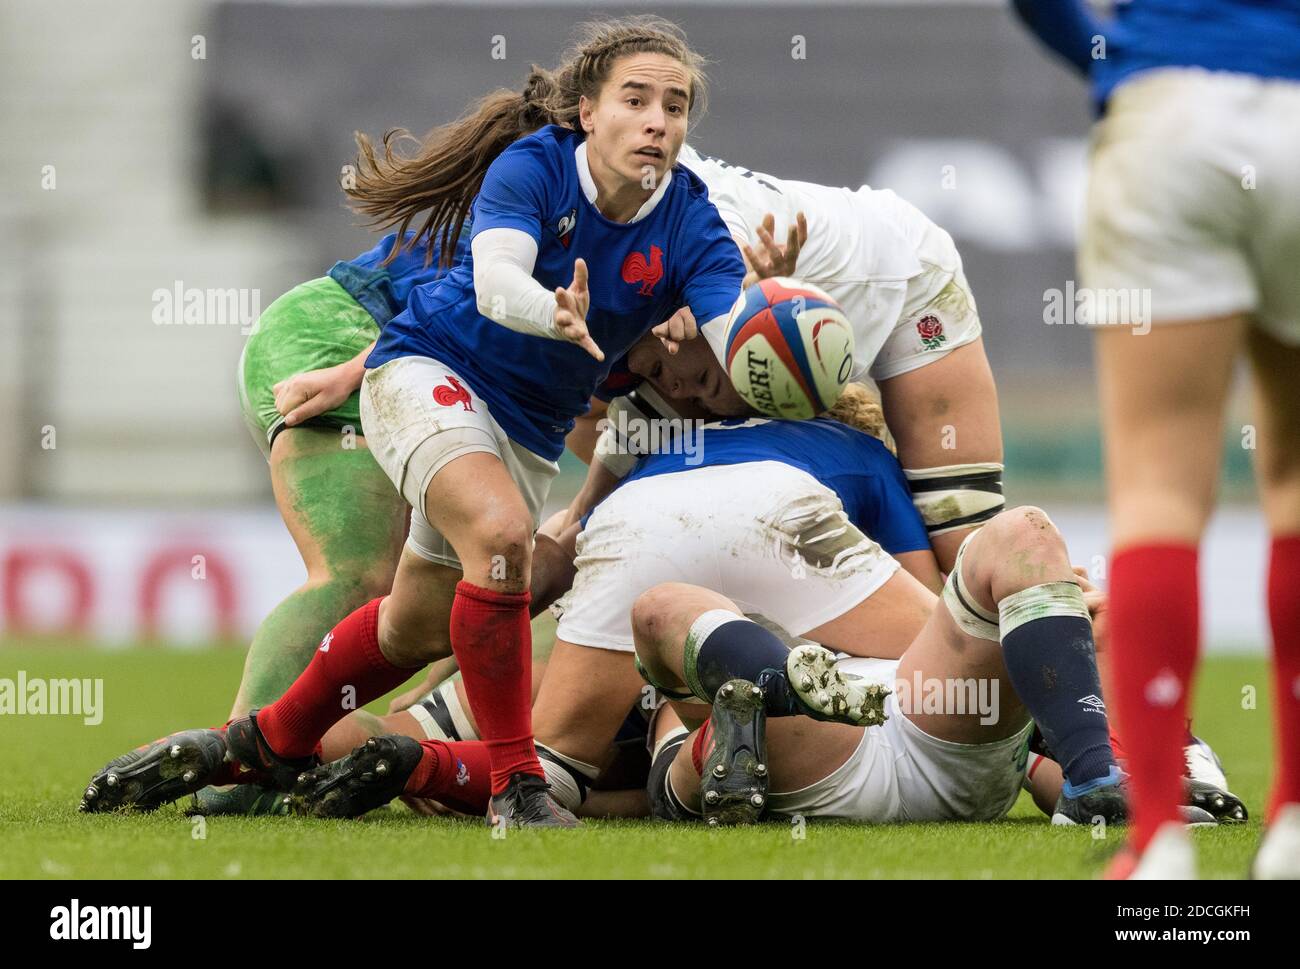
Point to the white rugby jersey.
(863, 247)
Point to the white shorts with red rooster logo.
(419, 416)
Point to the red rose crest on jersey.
(457, 393)
(647, 272)
(930, 329)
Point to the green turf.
(46, 760)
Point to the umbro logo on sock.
(462, 773)
(1093, 703)
(325, 643)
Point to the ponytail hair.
(444, 171)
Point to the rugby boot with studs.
(157, 773)
(247, 745)
(734, 783)
(824, 692)
(1206, 785)
(369, 777)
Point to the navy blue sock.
(1053, 666)
(740, 650)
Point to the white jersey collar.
(589, 184)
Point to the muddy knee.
(1023, 548)
(500, 552)
(1025, 527)
(652, 612)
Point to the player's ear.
(586, 113)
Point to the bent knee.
(1026, 526)
(651, 612)
(509, 536)
(667, 610)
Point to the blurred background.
(161, 154)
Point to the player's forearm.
(356, 367)
(552, 571)
(586, 432)
(1066, 26)
(600, 482)
(924, 567)
(504, 287)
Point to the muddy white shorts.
(900, 773)
(768, 536)
(419, 415)
(1193, 204)
(938, 312)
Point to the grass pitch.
(46, 760)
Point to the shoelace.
(531, 808)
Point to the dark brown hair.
(443, 173)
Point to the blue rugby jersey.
(856, 466)
(640, 273)
(1259, 37)
(383, 290)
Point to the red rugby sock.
(1154, 628)
(1117, 746)
(700, 747)
(493, 642)
(455, 773)
(1284, 618)
(345, 673)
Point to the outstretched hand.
(571, 305)
(770, 259)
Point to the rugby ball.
(788, 348)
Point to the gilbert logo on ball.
(788, 348)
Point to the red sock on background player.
(1154, 630)
(1284, 618)
(492, 638)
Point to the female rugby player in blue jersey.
(471, 391)
(585, 236)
